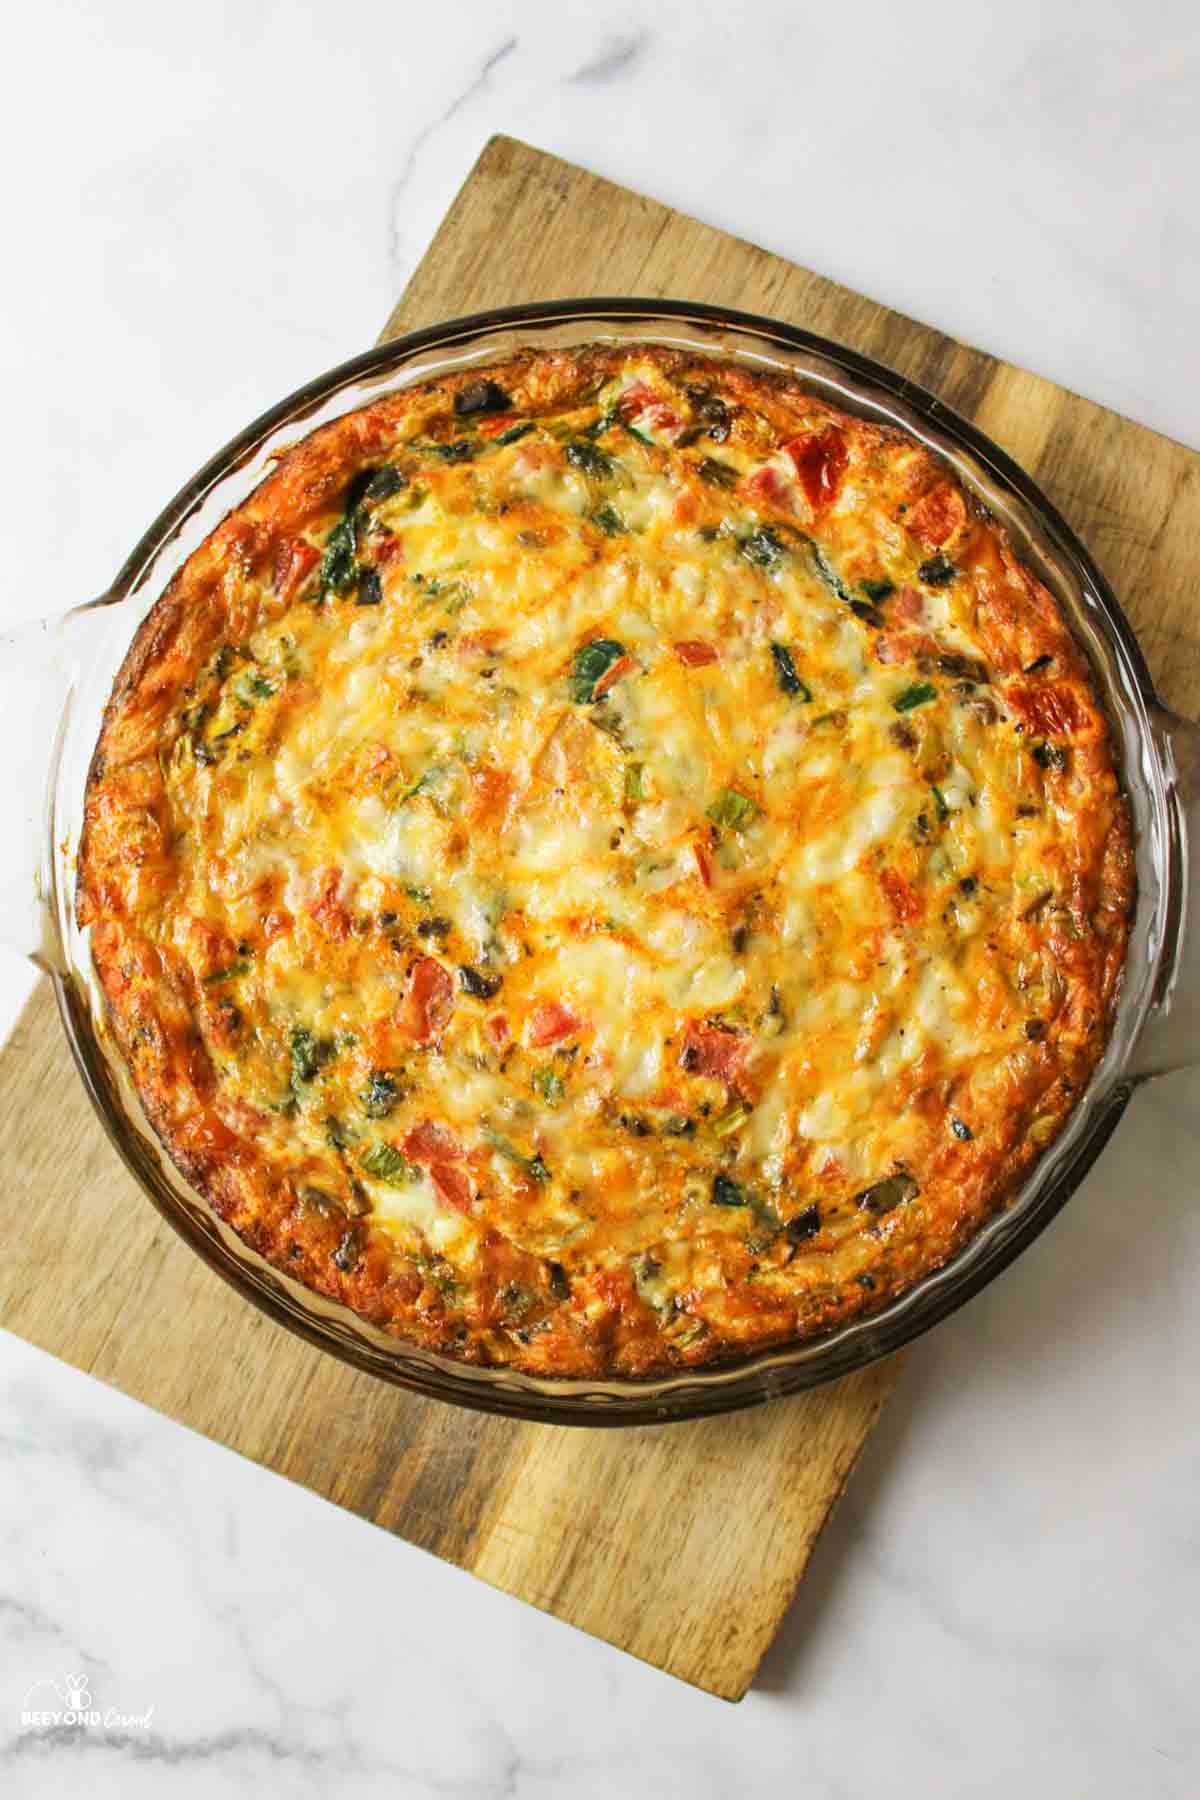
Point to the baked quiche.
(606, 863)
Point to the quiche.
(606, 863)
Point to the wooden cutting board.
(684, 1543)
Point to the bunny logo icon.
(77, 1696)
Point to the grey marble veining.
(203, 210)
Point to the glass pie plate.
(55, 678)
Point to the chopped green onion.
(460, 451)
(939, 800)
(634, 787)
(227, 973)
(716, 473)
(532, 1165)
(731, 1121)
(549, 1084)
(732, 810)
(514, 433)
(385, 1163)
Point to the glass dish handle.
(1171, 1035)
(39, 667)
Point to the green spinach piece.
(785, 670)
(608, 520)
(718, 474)
(380, 1095)
(588, 459)
(590, 663)
(763, 548)
(385, 482)
(937, 571)
(370, 588)
(919, 694)
(309, 1054)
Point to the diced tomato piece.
(550, 1022)
(909, 604)
(708, 1050)
(498, 1029)
(453, 1184)
(294, 559)
(328, 909)
(639, 401)
(938, 515)
(704, 866)
(1046, 710)
(430, 1000)
(906, 903)
(442, 1154)
(495, 424)
(613, 674)
(636, 397)
(820, 462)
(430, 1143)
(901, 646)
(769, 488)
(387, 547)
(694, 653)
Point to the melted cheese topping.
(633, 889)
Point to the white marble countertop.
(205, 207)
